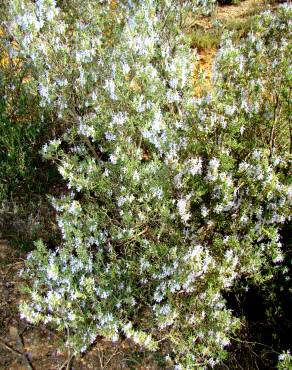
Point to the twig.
(70, 357)
(18, 353)
(27, 359)
(11, 349)
(100, 357)
(134, 236)
(255, 343)
(67, 363)
(113, 355)
(273, 128)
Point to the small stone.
(13, 332)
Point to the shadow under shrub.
(266, 313)
(25, 177)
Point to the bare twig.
(111, 357)
(11, 349)
(16, 352)
(67, 363)
(100, 357)
(273, 128)
(255, 343)
(21, 344)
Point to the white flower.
(194, 253)
(256, 154)
(182, 206)
(136, 176)
(44, 91)
(121, 201)
(109, 136)
(244, 219)
(204, 211)
(157, 123)
(113, 159)
(52, 272)
(173, 83)
(212, 174)
(218, 208)
(214, 164)
(119, 118)
(279, 258)
(110, 87)
(71, 316)
(229, 110)
(172, 96)
(74, 208)
(195, 165)
(115, 338)
(157, 192)
(125, 68)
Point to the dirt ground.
(241, 10)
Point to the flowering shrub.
(171, 197)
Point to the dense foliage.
(171, 198)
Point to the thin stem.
(16, 352)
